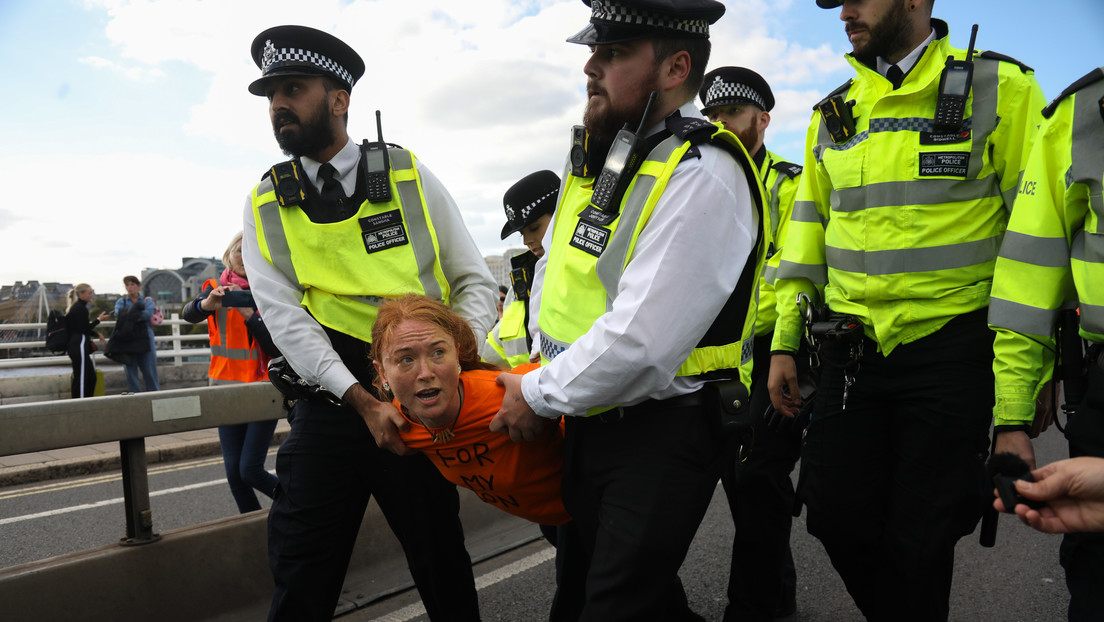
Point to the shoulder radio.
(377, 167)
(954, 89)
(621, 163)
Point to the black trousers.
(637, 489)
(762, 581)
(895, 479)
(1082, 554)
(328, 467)
(83, 383)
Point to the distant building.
(500, 265)
(171, 288)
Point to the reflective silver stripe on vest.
(1088, 147)
(275, 239)
(1088, 247)
(817, 274)
(414, 215)
(1092, 318)
(236, 354)
(984, 118)
(944, 257)
(514, 347)
(806, 211)
(611, 263)
(1045, 252)
(774, 202)
(1022, 318)
(919, 192)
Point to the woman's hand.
(104, 315)
(213, 301)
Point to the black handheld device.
(621, 163)
(377, 167)
(837, 118)
(238, 298)
(954, 88)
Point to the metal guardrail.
(57, 424)
(176, 351)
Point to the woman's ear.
(379, 370)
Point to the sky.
(129, 140)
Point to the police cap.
(303, 51)
(530, 198)
(615, 21)
(731, 86)
(829, 4)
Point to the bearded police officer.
(528, 204)
(910, 172)
(328, 235)
(762, 581)
(672, 214)
(1051, 255)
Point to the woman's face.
(421, 365)
(133, 289)
(86, 295)
(236, 265)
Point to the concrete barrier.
(218, 571)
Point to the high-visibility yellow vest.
(580, 285)
(235, 356)
(347, 269)
(1053, 253)
(780, 180)
(901, 223)
(509, 340)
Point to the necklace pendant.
(442, 437)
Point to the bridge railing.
(177, 349)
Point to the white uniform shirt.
(303, 341)
(686, 264)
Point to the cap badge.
(509, 213)
(269, 53)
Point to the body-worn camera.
(837, 118)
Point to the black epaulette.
(840, 90)
(1090, 78)
(697, 131)
(991, 55)
(789, 169)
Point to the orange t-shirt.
(523, 479)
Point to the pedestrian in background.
(240, 351)
(81, 334)
(144, 361)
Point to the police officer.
(529, 204)
(625, 358)
(762, 582)
(1046, 259)
(328, 235)
(899, 216)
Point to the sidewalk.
(90, 459)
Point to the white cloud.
(140, 74)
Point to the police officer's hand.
(1015, 442)
(515, 417)
(382, 418)
(785, 393)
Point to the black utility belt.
(650, 406)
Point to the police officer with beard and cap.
(529, 204)
(328, 236)
(762, 582)
(899, 216)
(632, 367)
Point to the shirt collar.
(344, 163)
(906, 63)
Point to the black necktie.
(331, 188)
(895, 75)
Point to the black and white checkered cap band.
(721, 93)
(274, 56)
(525, 211)
(621, 14)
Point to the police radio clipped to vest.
(377, 167)
(954, 89)
(624, 158)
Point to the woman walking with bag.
(81, 331)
